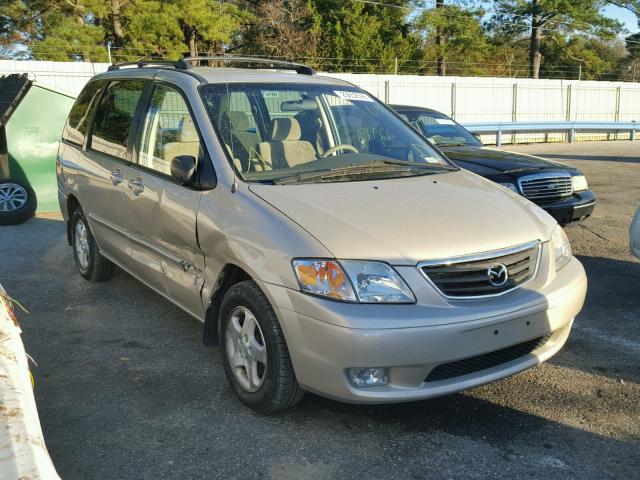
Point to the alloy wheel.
(81, 244)
(12, 197)
(246, 349)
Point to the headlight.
(352, 281)
(510, 186)
(377, 282)
(579, 183)
(325, 278)
(561, 247)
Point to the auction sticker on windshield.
(354, 96)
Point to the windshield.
(277, 131)
(440, 129)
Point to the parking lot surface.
(125, 388)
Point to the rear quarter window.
(80, 115)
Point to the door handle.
(116, 177)
(136, 186)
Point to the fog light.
(368, 377)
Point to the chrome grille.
(475, 276)
(543, 186)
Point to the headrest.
(239, 120)
(285, 129)
(187, 131)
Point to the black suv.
(559, 189)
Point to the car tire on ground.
(18, 202)
(91, 264)
(254, 351)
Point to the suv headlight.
(561, 247)
(352, 281)
(579, 183)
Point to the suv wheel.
(254, 352)
(91, 264)
(17, 202)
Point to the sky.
(625, 16)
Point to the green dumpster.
(32, 116)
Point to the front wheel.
(254, 352)
(91, 264)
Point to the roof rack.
(186, 63)
(179, 64)
(266, 62)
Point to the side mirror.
(183, 168)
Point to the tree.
(629, 66)
(208, 25)
(582, 56)
(71, 28)
(282, 28)
(363, 36)
(452, 32)
(549, 17)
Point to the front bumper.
(322, 348)
(575, 207)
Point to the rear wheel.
(17, 202)
(254, 352)
(91, 264)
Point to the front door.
(160, 214)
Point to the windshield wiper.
(452, 144)
(377, 166)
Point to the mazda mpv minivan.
(325, 244)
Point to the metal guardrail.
(544, 127)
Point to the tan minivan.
(325, 244)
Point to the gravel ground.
(125, 388)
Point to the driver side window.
(169, 131)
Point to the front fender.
(241, 229)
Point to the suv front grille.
(546, 186)
(459, 368)
(489, 274)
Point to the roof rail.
(179, 64)
(267, 62)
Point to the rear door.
(101, 174)
(160, 214)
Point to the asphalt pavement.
(126, 390)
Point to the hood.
(405, 220)
(487, 161)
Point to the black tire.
(94, 267)
(280, 389)
(13, 211)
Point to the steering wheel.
(337, 148)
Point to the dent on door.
(160, 213)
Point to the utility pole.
(442, 40)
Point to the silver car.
(324, 244)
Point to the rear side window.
(114, 117)
(80, 115)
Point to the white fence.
(467, 99)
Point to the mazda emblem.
(498, 275)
